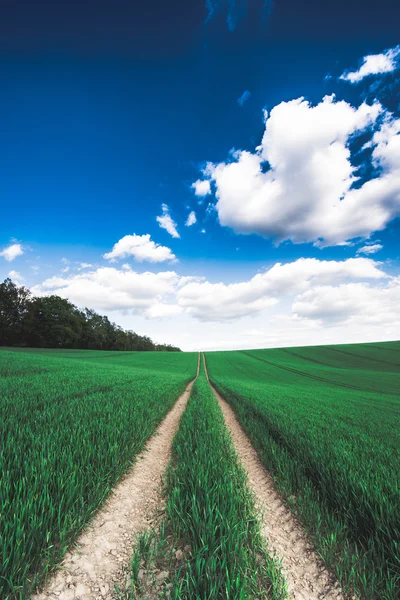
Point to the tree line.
(53, 322)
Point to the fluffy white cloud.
(298, 184)
(108, 288)
(303, 302)
(11, 252)
(371, 249)
(201, 187)
(162, 310)
(351, 303)
(220, 302)
(374, 64)
(15, 276)
(191, 220)
(84, 265)
(141, 247)
(166, 222)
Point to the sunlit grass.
(69, 430)
(210, 512)
(325, 424)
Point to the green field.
(72, 423)
(325, 422)
(209, 509)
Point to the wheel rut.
(306, 576)
(99, 558)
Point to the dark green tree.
(53, 322)
(14, 304)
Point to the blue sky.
(109, 111)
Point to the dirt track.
(97, 561)
(305, 574)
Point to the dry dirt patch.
(96, 563)
(306, 576)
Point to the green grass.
(209, 509)
(325, 422)
(72, 423)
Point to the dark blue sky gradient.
(108, 109)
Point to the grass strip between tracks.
(209, 543)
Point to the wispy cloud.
(370, 249)
(375, 64)
(166, 222)
(267, 9)
(16, 276)
(191, 220)
(235, 11)
(244, 97)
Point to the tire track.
(315, 377)
(97, 561)
(306, 576)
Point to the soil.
(305, 574)
(306, 577)
(100, 557)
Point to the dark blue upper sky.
(109, 109)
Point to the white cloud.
(371, 249)
(162, 311)
(203, 231)
(11, 252)
(16, 277)
(220, 302)
(108, 288)
(201, 187)
(191, 220)
(244, 97)
(65, 270)
(298, 184)
(65, 261)
(166, 222)
(351, 303)
(307, 301)
(374, 64)
(141, 247)
(84, 265)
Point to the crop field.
(72, 423)
(325, 423)
(209, 509)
